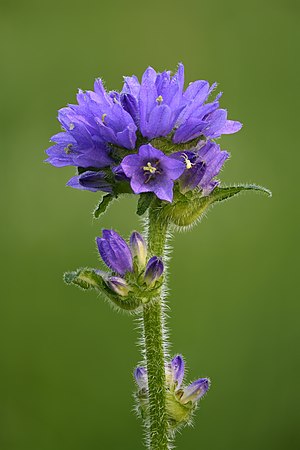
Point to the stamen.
(68, 149)
(149, 168)
(188, 163)
(71, 126)
(159, 99)
(103, 117)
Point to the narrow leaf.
(144, 202)
(223, 193)
(103, 205)
(84, 278)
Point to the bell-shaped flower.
(152, 171)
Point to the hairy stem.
(153, 317)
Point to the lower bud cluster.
(131, 273)
(181, 400)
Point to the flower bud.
(153, 270)
(177, 370)
(115, 252)
(138, 248)
(118, 285)
(195, 391)
(140, 375)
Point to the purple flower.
(177, 370)
(140, 375)
(97, 119)
(195, 391)
(138, 248)
(159, 105)
(91, 181)
(201, 118)
(115, 252)
(118, 285)
(84, 150)
(103, 126)
(154, 270)
(152, 171)
(156, 103)
(202, 165)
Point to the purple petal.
(130, 164)
(172, 167)
(160, 121)
(147, 152)
(189, 130)
(165, 191)
(231, 127)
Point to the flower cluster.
(148, 136)
(181, 400)
(128, 263)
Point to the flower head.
(133, 135)
(152, 171)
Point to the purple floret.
(156, 102)
(152, 171)
(97, 120)
(202, 165)
(159, 105)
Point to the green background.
(66, 357)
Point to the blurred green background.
(66, 357)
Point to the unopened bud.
(195, 391)
(154, 270)
(140, 375)
(138, 248)
(177, 370)
(118, 285)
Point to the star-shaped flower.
(152, 171)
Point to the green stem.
(153, 316)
